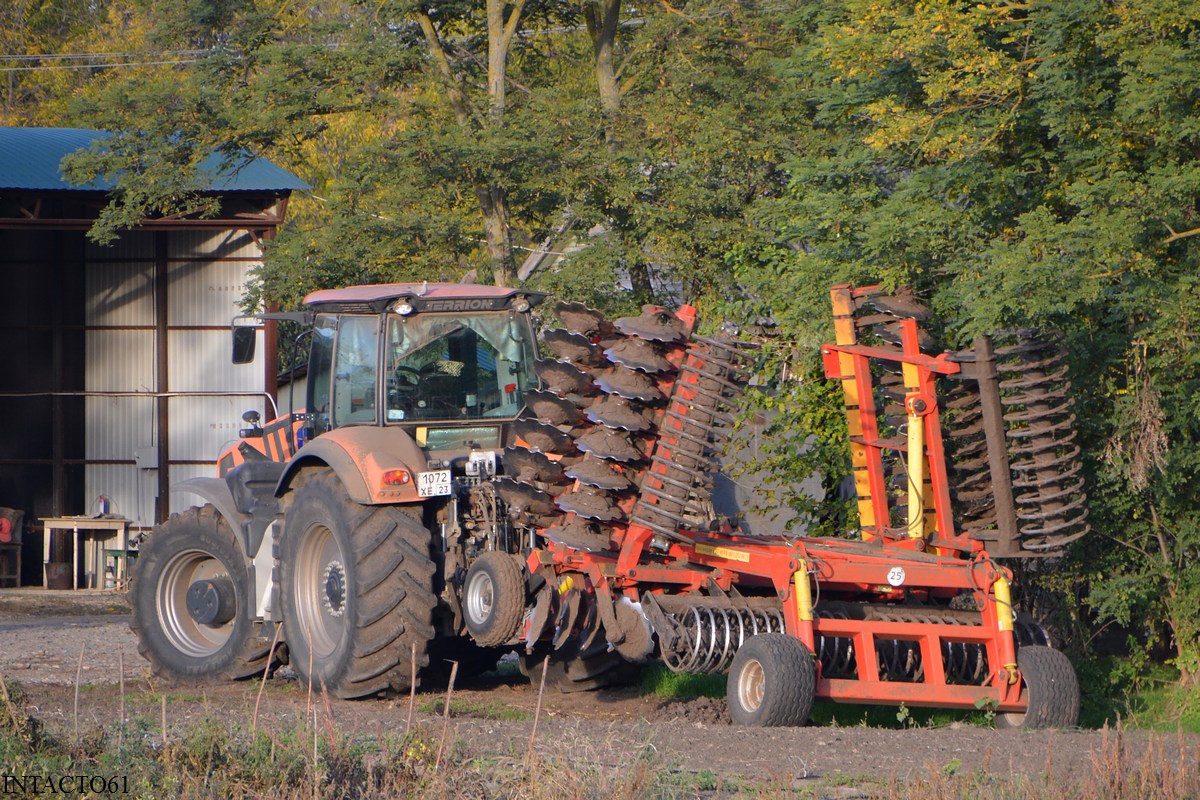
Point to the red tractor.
(449, 493)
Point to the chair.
(12, 524)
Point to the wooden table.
(119, 526)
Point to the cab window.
(355, 370)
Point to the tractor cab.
(414, 354)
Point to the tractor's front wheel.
(192, 602)
(357, 590)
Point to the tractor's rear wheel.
(357, 590)
(193, 604)
(772, 682)
(1051, 688)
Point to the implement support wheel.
(494, 598)
(1051, 688)
(772, 682)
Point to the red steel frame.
(886, 568)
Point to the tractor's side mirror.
(244, 339)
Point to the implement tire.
(197, 546)
(772, 682)
(357, 590)
(1051, 688)
(494, 599)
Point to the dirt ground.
(42, 634)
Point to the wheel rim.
(320, 592)
(185, 634)
(481, 597)
(751, 685)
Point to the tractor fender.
(360, 455)
(217, 493)
(244, 497)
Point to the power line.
(100, 66)
(78, 56)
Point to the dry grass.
(314, 757)
(1165, 770)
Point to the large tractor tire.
(1051, 687)
(356, 590)
(573, 669)
(772, 682)
(193, 604)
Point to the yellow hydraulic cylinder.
(1004, 606)
(1004, 621)
(804, 600)
(916, 470)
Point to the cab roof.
(375, 298)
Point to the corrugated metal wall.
(205, 277)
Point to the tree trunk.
(602, 17)
(493, 200)
(494, 203)
(497, 62)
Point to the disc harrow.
(615, 467)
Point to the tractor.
(459, 486)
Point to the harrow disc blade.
(655, 323)
(578, 318)
(568, 612)
(891, 333)
(594, 472)
(574, 347)
(609, 444)
(563, 379)
(523, 498)
(591, 503)
(903, 303)
(541, 615)
(640, 354)
(630, 384)
(550, 407)
(543, 438)
(617, 412)
(578, 534)
(528, 466)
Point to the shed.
(117, 378)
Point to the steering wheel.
(401, 392)
(413, 374)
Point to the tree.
(1021, 166)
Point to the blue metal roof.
(30, 158)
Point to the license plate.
(435, 483)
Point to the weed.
(474, 708)
(658, 681)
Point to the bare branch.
(453, 91)
(1174, 237)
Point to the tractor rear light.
(397, 477)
